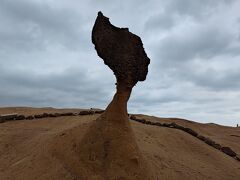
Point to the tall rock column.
(109, 149)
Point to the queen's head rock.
(109, 149)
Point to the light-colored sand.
(34, 149)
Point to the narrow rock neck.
(118, 106)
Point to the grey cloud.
(218, 81)
(196, 9)
(205, 41)
(176, 11)
(33, 25)
(205, 44)
(47, 58)
(162, 21)
(71, 86)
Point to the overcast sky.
(47, 58)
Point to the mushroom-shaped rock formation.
(109, 149)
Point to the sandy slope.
(48, 149)
(224, 135)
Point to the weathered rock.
(85, 112)
(1, 120)
(148, 122)
(228, 151)
(166, 125)
(217, 146)
(153, 123)
(38, 116)
(109, 148)
(8, 117)
(51, 115)
(99, 111)
(201, 137)
(237, 157)
(209, 141)
(67, 114)
(45, 115)
(140, 120)
(158, 124)
(29, 117)
(133, 117)
(20, 117)
(57, 114)
(121, 50)
(174, 125)
(190, 131)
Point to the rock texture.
(121, 50)
(109, 149)
(228, 151)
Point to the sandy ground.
(47, 148)
(224, 135)
(32, 111)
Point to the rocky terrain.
(48, 146)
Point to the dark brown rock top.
(121, 50)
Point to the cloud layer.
(47, 58)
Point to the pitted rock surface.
(121, 50)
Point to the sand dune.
(49, 148)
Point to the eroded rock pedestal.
(109, 149)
